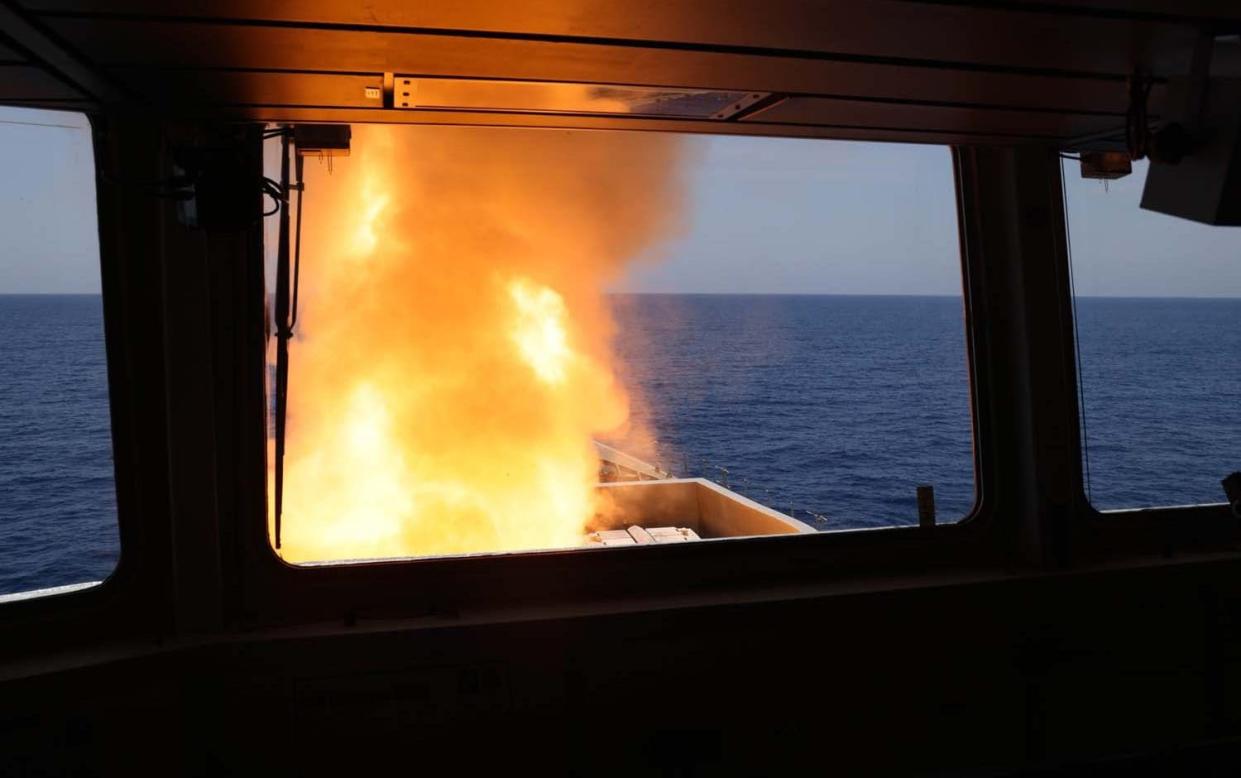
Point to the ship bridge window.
(1158, 305)
(58, 522)
(511, 340)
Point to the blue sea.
(833, 409)
(57, 494)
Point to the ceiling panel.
(176, 87)
(9, 54)
(1047, 71)
(28, 82)
(1204, 10)
(888, 29)
(266, 48)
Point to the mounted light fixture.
(466, 94)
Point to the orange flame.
(453, 358)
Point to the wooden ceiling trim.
(29, 82)
(9, 55)
(568, 122)
(213, 46)
(173, 87)
(190, 88)
(1185, 12)
(253, 86)
(59, 61)
(1015, 36)
(820, 111)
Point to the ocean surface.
(57, 494)
(833, 409)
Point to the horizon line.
(765, 294)
(905, 294)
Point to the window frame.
(122, 604)
(574, 577)
(192, 568)
(1198, 524)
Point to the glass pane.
(532, 339)
(1158, 306)
(57, 493)
(802, 338)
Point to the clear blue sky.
(762, 215)
(805, 216)
(1120, 250)
(49, 241)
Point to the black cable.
(271, 188)
(171, 188)
(297, 246)
(182, 189)
(282, 347)
(286, 315)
